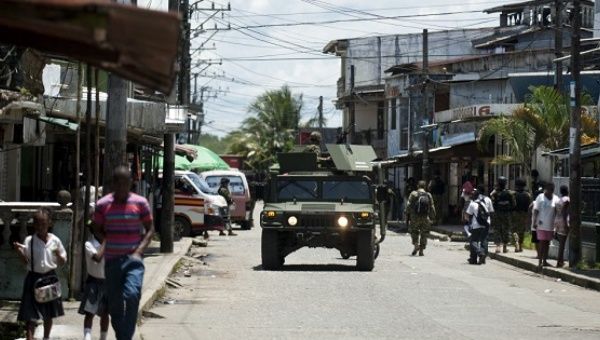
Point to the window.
(352, 191)
(300, 190)
(380, 119)
(236, 184)
(393, 118)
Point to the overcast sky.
(252, 57)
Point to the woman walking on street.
(544, 213)
(561, 223)
(43, 252)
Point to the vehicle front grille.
(316, 221)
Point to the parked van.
(197, 207)
(241, 212)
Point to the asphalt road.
(319, 295)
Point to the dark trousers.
(476, 243)
(485, 240)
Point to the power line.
(289, 24)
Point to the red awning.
(135, 43)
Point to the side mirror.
(382, 193)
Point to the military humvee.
(332, 203)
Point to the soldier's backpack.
(482, 215)
(523, 201)
(503, 201)
(423, 204)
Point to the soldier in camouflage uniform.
(420, 212)
(224, 191)
(521, 222)
(504, 207)
(315, 143)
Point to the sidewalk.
(527, 261)
(158, 268)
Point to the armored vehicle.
(331, 202)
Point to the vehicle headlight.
(343, 221)
(365, 214)
(212, 209)
(270, 214)
(292, 220)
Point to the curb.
(433, 235)
(573, 278)
(157, 287)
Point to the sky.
(247, 61)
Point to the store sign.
(474, 111)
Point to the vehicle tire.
(271, 250)
(181, 227)
(365, 249)
(345, 255)
(246, 225)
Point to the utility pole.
(320, 108)
(425, 104)
(575, 255)
(168, 178)
(77, 238)
(558, 45)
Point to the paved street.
(319, 295)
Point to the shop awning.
(587, 150)
(467, 149)
(136, 43)
(59, 122)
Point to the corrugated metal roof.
(135, 43)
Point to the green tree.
(543, 121)
(271, 129)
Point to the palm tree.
(271, 129)
(543, 121)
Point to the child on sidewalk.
(94, 301)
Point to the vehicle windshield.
(200, 183)
(357, 191)
(297, 189)
(352, 191)
(236, 184)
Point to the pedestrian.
(523, 202)
(478, 215)
(420, 212)
(224, 191)
(487, 202)
(391, 204)
(120, 217)
(437, 188)
(504, 207)
(94, 300)
(544, 213)
(537, 186)
(43, 253)
(561, 223)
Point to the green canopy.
(206, 160)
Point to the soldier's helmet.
(502, 181)
(315, 137)
(224, 180)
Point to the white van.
(197, 208)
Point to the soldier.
(420, 213)
(437, 188)
(315, 143)
(224, 191)
(504, 207)
(520, 221)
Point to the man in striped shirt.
(125, 220)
